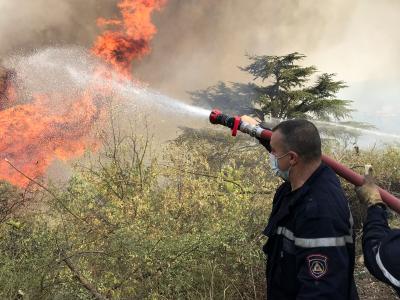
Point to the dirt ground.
(368, 287)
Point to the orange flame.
(131, 39)
(32, 135)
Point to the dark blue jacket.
(381, 247)
(310, 249)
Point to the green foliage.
(284, 89)
(128, 226)
(281, 88)
(386, 166)
(134, 228)
(289, 96)
(10, 200)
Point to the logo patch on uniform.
(317, 265)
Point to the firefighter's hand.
(253, 121)
(249, 120)
(368, 192)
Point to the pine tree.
(289, 94)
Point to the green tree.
(288, 93)
(286, 90)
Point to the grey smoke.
(201, 42)
(30, 24)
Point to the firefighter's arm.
(375, 232)
(376, 226)
(323, 261)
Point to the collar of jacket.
(289, 199)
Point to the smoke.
(202, 42)
(198, 44)
(27, 25)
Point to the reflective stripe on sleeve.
(313, 243)
(385, 272)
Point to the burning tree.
(33, 133)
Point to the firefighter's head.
(293, 143)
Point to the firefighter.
(310, 248)
(380, 243)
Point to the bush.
(128, 226)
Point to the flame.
(32, 135)
(131, 39)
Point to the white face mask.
(275, 168)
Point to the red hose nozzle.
(215, 113)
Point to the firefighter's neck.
(300, 173)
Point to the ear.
(294, 158)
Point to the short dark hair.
(302, 137)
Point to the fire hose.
(235, 124)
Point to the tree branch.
(83, 281)
(47, 190)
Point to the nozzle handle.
(217, 117)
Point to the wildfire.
(33, 134)
(131, 39)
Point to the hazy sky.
(203, 41)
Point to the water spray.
(143, 96)
(236, 124)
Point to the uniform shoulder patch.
(317, 265)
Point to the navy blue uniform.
(381, 247)
(310, 248)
